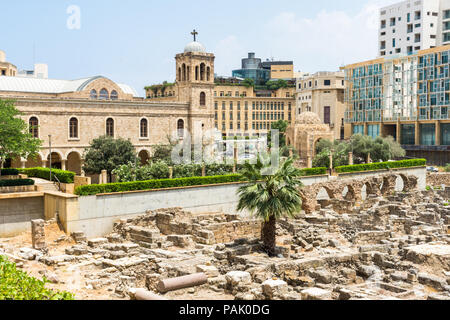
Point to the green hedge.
(314, 171)
(44, 173)
(9, 172)
(154, 184)
(16, 183)
(18, 285)
(382, 166)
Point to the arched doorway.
(144, 156)
(74, 162)
(56, 160)
(34, 162)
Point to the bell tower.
(195, 82)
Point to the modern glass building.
(406, 97)
(252, 69)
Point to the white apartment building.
(410, 26)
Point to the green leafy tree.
(15, 138)
(270, 195)
(281, 126)
(107, 153)
(248, 83)
(380, 149)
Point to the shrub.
(9, 172)
(382, 165)
(154, 184)
(16, 183)
(44, 173)
(314, 171)
(18, 285)
(447, 168)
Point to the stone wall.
(17, 211)
(438, 179)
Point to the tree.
(281, 126)
(380, 149)
(16, 141)
(270, 195)
(107, 153)
(248, 83)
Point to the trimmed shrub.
(9, 172)
(44, 173)
(314, 171)
(18, 285)
(382, 166)
(16, 183)
(154, 184)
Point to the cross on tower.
(194, 33)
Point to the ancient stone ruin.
(386, 245)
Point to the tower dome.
(195, 47)
(308, 118)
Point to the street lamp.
(50, 148)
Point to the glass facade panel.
(358, 129)
(408, 134)
(373, 131)
(445, 134)
(427, 134)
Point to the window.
(327, 82)
(104, 95)
(114, 95)
(34, 127)
(94, 94)
(202, 99)
(144, 128)
(73, 128)
(110, 127)
(180, 127)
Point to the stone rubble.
(395, 246)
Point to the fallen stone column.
(192, 280)
(144, 295)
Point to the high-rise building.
(409, 26)
(405, 97)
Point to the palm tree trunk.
(269, 235)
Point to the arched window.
(179, 74)
(188, 73)
(184, 72)
(114, 95)
(208, 73)
(202, 99)
(73, 128)
(196, 73)
(104, 95)
(34, 127)
(110, 127)
(202, 72)
(94, 94)
(180, 127)
(144, 128)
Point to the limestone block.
(274, 288)
(316, 294)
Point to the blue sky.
(135, 41)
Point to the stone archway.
(74, 162)
(144, 156)
(56, 160)
(34, 162)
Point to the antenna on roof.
(34, 53)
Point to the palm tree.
(270, 195)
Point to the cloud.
(328, 40)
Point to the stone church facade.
(74, 112)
